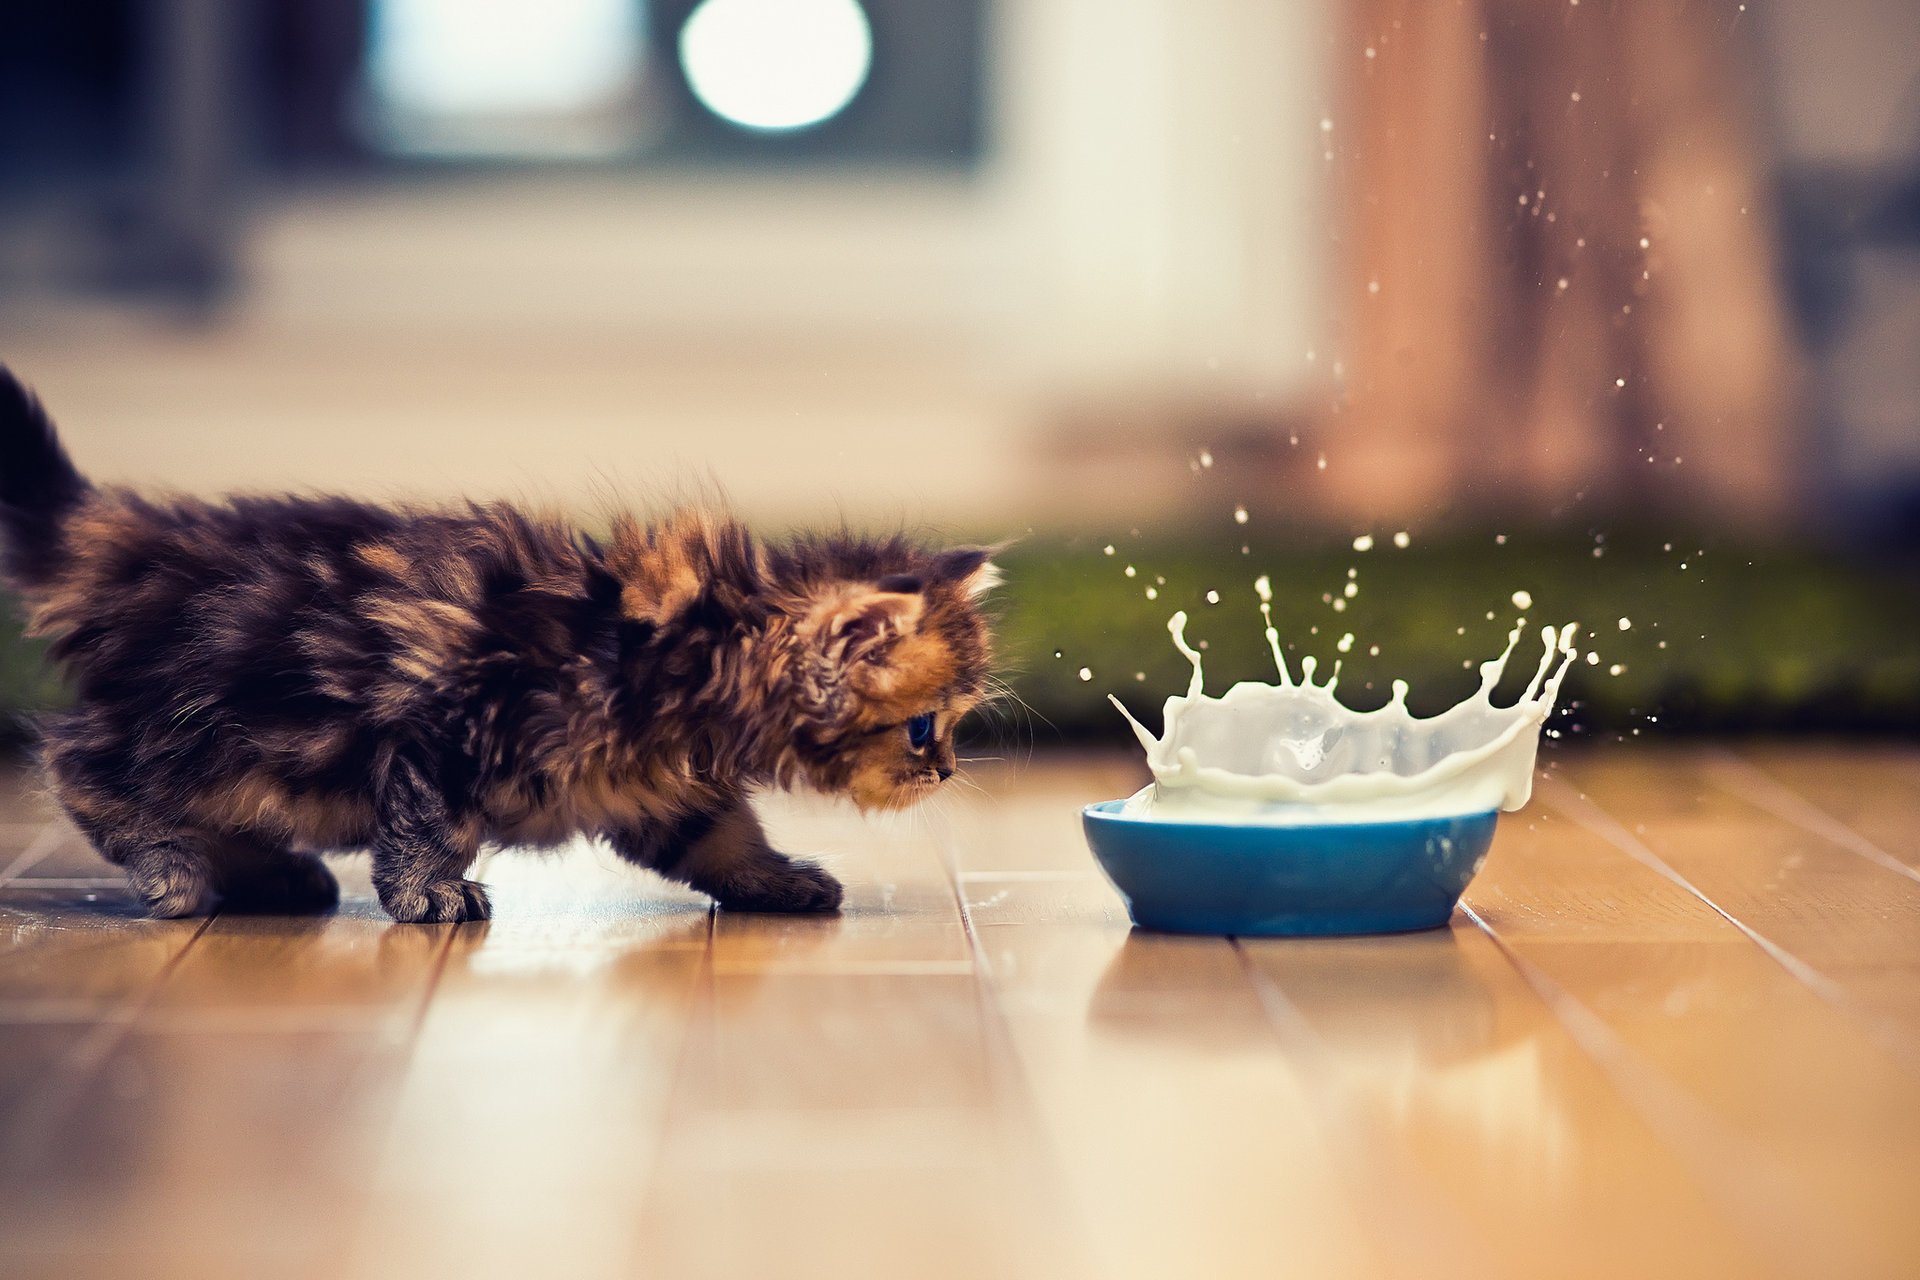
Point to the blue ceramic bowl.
(1216, 877)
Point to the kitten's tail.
(39, 487)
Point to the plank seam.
(80, 1064)
(1743, 779)
(1435, 1234)
(1042, 1169)
(1754, 1190)
(1891, 1038)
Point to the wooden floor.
(1673, 1031)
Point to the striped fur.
(263, 678)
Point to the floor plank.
(840, 1107)
(900, 915)
(75, 951)
(540, 1074)
(1798, 1123)
(1669, 1034)
(1184, 1140)
(1447, 1064)
(247, 1090)
(226, 1153)
(1864, 798)
(1850, 927)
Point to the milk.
(1292, 753)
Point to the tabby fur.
(261, 679)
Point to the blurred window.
(529, 78)
(684, 82)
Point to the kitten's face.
(901, 661)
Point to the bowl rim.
(1109, 811)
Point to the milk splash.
(1291, 752)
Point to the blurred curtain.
(1559, 283)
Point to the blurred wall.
(1846, 100)
(1146, 229)
(1376, 259)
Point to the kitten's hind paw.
(442, 902)
(786, 887)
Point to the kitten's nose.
(945, 771)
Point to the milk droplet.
(1373, 650)
(1626, 624)
(1619, 382)
(1523, 600)
(1615, 669)
(1346, 643)
(1239, 515)
(1263, 586)
(1056, 653)
(1340, 606)
(1086, 673)
(1500, 539)
(1152, 594)
(1213, 597)
(1353, 573)
(1363, 543)
(1352, 590)
(1403, 539)
(1140, 676)
(1593, 659)
(1322, 463)
(1206, 458)
(1108, 549)
(1130, 571)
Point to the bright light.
(776, 64)
(473, 57)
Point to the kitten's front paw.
(789, 887)
(174, 892)
(443, 902)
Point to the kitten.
(264, 678)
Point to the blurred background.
(1613, 305)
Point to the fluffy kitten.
(266, 677)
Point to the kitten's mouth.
(912, 792)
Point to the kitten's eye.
(920, 731)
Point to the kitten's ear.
(858, 622)
(970, 568)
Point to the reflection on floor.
(1675, 1031)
